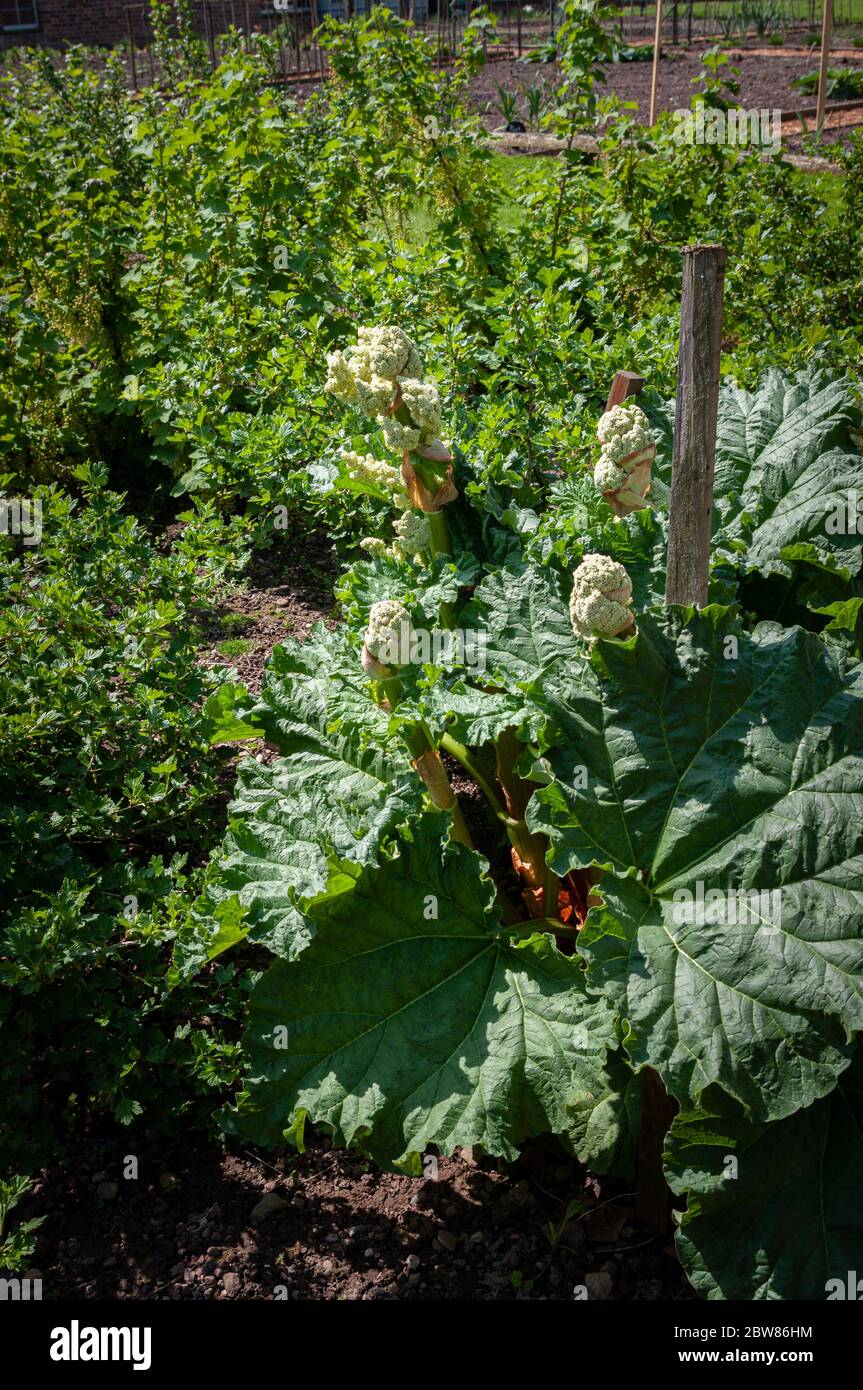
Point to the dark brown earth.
(287, 590)
(187, 1228)
(764, 77)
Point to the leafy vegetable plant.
(669, 869)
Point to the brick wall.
(78, 21)
(104, 21)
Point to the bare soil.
(765, 78)
(187, 1228)
(287, 590)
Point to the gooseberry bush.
(529, 831)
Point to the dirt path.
(288, 589)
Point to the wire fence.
(288, 27)
(686, 21)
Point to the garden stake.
(823, 73)
(695, 425)
(654, 78)
(625, 384)
(686, 583)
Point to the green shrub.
(107, 786)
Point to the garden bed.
(190, 1228)
(765, 80)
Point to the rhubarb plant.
(660, 861)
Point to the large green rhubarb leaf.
(346, 776)
(603, 1124)
(773, 1211)
(526, 621)
(414, 1018)
(698, 765)
(339, 793)
(787, 472)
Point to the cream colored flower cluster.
(422, 402)
(369, 373)
(381, 376)
(365, 468)
(412, 534)
(601, 592)
(412, 537)
(386, 645)
(623, 471)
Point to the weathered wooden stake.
(826, 35)
(695, 425)
(657, 48)
(686, 582)
(624, 384)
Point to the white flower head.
(374, 545)
(386, 352)
(365, 468)
(412, 534)
(599, 605)
(368, 374)
(340, 380)
(420, 400)
(626, 457)
(397, 436)
(374, 395)
(388, 634)
(623, 430)
(423, 402)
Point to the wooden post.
(624, 384)
(826, 35)
(695, 425)
(132, 49)
(686, 582)
(657, 45)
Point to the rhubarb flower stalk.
(626, 458)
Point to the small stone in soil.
(269, 1204)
